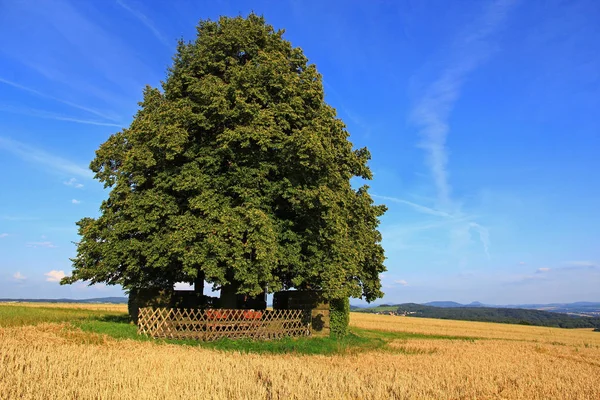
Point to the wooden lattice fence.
(212, 324)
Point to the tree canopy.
(237, 171)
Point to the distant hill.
(445, 304)
(476, 304)
(375, 309)
(587, 308)
(584, 308)
(502, 315)
(114, 300)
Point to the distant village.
(396, 313)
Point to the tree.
(237, 172)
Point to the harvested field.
(421, 359)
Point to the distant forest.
(502, 315)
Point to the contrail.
(32, 112)
(147, 22)
(421, 208)
(431, 113)
(47, 96)
(484, 236)
(34, 155)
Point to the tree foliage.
(339, 317)
(237, 169)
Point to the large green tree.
(236, 172)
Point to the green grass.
(388, 335)
(303, 345)
(12, 315)
(116, 325)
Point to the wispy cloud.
(408, 229)
(90, 44)
(73, 182)
(351, 115)
(68, 103)
(15, 217)
(147, 22)
(59, 75)
(431, 115)
(32, 112)
(540, 276)
(418, 207)
(583, 268)
(48, 245)
(54, 275)
(3, 235)
(17, 276)
(38, 156)
(484, 236)
(582, 264)
(75, 201)
(432, 111)
(401, 282)
(458, 224)
(522, 263)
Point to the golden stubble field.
(51, 361)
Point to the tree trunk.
(199, 284)
(229, 295)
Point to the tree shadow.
(318, 323)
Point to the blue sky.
(482, 119)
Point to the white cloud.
(54, 275)
(186, 286)
(34, 155)
(73, 182)
(183, 286)
(542, 270)
(19, 277)
(522, 263)
(75, 201)
(401, 282)
(3, 235)
(48, 245)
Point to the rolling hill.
(502, 315)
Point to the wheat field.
(497, 361)
(118, 307)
